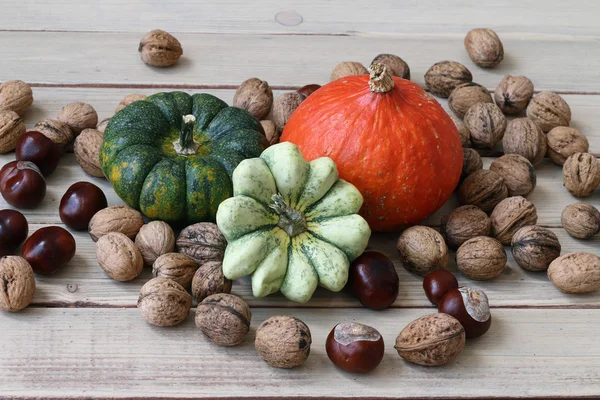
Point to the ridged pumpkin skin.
(399, 148)
(139, 158)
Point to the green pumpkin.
(172, 155)
(292, 224)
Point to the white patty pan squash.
(291, 224)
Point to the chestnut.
(437, 283)
(22, 184)
(79, 204)
(355, 347)
(48, 249)
(470, 307)
(307, 90)
(373, 280)
(13, 231)
(34, 146)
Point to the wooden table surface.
(84, 338)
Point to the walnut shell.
(209, 279)
(464, 223)
(284, 106)
(271, 132)
(127, 100)
(254, 96)
(202, 242)
(471, 162)
(155, 239)
(102, 125)
(224, 319)
(581, 174)
(486, 123)
(581, 220)
(283, 341)
(484, 189)
(175, 266)
(422, 250)
(11, 129)
(548, 110)
(466, 95)
(121, 219)
(160, 49)
(525, 138)
(481, 258)
(563, 142)
(576, 273)
(431, 340)
(518, 174)
(463, 131)
(394, 64)
(15, 96)
(118, 257)
(513, 94)
(78, 116)
(87, 151)
(17, 283)
(484, 47)
(535, 247)
(56, 131)
(510, 215)
(347, 68)
(445, 76)
(164, 302)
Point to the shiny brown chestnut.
(36, 147)
(373, 280)
(48, 249)
(437, 283)
(13, 231)
(79, 204)
(470, 307)
(355, 347)
(307, 90)
(22, 184)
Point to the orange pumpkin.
(389, 138)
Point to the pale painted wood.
(552, 63)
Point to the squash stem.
(380, 80)
(186, 145)
(290, 220)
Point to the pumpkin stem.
(290, 220)
(380, 80)
(186, 145)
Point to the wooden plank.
(84, 353)
(331, 17)
(78, 58)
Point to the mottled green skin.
(139, 159)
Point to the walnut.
(118, 257)
(422, 250)
(15, 96)
(510, 215)
(17, 283)
(164, 302)
(394, 64)
(581, 220)
(576, 273)
(102, 125)
(87, 151)
(175, 266)
(209, 279)
(471, 162)
(160, 49)
(155, 239)
(254, 96)
(309, 89)
(224, 319)
(203, 242)
(78, 116)
(464, 223)
(525, 138)
(535, 247)
(484, 189)
(271, 132)
(581, 174)
(127, 100)
(284, 106)
(11, 129)
(563, 142)
(548, 110)
(283, 341)
(347, 68)
(484, 47)
(486, 123)
(56, 131)
(463, 131)
(518, 174)
(481, 258)
(466, 95)
(445, 76)
(513, 94)
(121, 219)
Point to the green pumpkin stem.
(186, 145)
(290, 220)
(380, 80)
